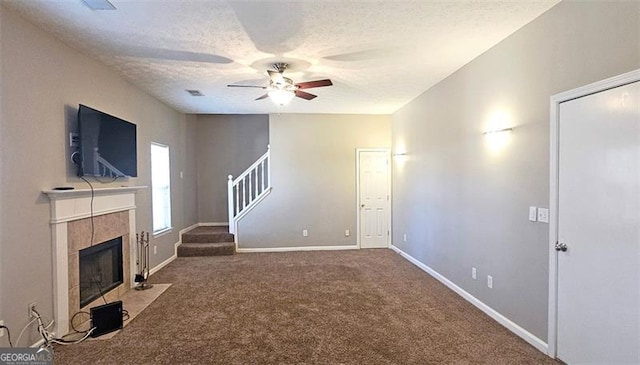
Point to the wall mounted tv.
(107, 145)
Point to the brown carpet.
(339, 307)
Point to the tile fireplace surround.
(113, 216)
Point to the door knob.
(361, 205)
(561, 246)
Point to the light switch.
(543, 215)
(533, 214)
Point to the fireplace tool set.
(142, 240)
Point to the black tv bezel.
(78, 159)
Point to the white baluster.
(244, 192)
(237, 195)
(250, 187)
(264, 175)
(230, 203)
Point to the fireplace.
(100, 269)
(79, 217)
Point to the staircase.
(248, 189)
(207, 241)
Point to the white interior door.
(598, 292)
(374, 199)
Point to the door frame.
(358, 210)
(596, 87)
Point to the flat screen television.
(107, 145)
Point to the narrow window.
(161, 188)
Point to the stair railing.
(245, 191)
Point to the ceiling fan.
(282, 89)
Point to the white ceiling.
(379, 54)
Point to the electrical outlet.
(543, 215)
(74, 140)
(347, 233)
(490, 281)
(1, 329)
(404, 237)
(533, 214)
(30, 308)
(155, 249)
(305, 233)
(474, 273)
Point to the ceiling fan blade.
(305, 95)
(263, 97)
(254, 86)
(317, 83)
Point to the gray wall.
(226, 145)
(313, 160)
(462, 203)
(43, 81)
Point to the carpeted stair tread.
(208, 235)
(206, 249)
(207, 241)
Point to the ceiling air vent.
(195, 92)
(99, 5)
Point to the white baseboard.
(166, 262)
(521, 332)
(304, 248)
(212, 224)
(186, 229)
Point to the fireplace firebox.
(100, 269)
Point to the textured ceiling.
(379, 54)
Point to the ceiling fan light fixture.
(281, 97)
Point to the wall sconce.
(498, 131)
(496, 140)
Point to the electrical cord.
(91, 209)
(8, 333)
(24, 329)
(49, 338)
(74, 317)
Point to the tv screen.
(107, 145)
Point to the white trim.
(71, 205)
(187, 229)
(211, 224)
(162, 232)
(74, 193)
(389, 172)
(252, 205)
(555, 102)
(513, 327)
(166, 262)
(304, 248)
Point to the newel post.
(230, 204)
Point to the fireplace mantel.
(72, 205)
(69, 205)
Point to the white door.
(598, 313)
(374, 199)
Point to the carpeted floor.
(332, 307)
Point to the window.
(160, 188)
